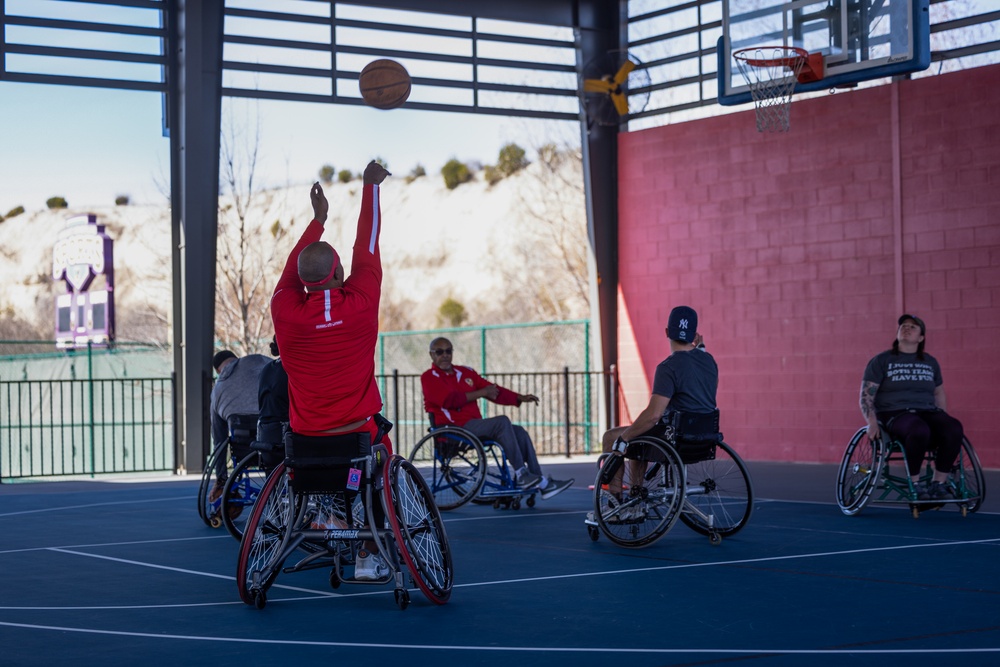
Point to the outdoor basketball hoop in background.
(771, 73)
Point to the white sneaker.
(370, 567)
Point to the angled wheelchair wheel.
(258, 564)
(418, 529)
(208, 509)
(859, 472)
(452, 462)
(638, 495)
(241, 491)
(719, 488)
(969, 484)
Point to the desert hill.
(512, 251)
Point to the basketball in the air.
(384, 84)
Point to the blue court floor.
(113, 573)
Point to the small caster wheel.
(336, 578)
(402, 597)
(496, 504)
(259, 599)
(715, 539)
(215, 521)
(592, 531)
(531, 500)
(964, 509)
(516, 504)
(915, 511)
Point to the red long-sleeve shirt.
(327, 339)
(444, 394)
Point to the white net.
(771, 72)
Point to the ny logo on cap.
(683, 324)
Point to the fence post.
(566, 409)
(395, 399)
(90, 391)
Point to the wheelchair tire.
(972, 483)
(860, 472)
(240, 493)
(206, 509)
(452, 462)
(720, 487)
(652, 477)
(264, 536)
(418, 529)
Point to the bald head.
(317, 264)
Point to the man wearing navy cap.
(686, 381)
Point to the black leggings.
(924, 431)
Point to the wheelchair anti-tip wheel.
(720, 488)
(418, 529)
(452, 462)
(859, 473)
(638, 495)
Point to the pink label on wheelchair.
(353, 479)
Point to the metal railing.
(86, 427)
(90, 426)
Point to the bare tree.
(247, 245)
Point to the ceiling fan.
(615, 86)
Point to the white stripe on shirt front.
(375, 221)
(326, 305)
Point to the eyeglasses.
(439, 351)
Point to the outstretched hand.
(527, 398)
(375, 173)
(319, 203)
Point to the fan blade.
(597, 86)
(623, 71)
(621, 103)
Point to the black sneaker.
(923, 490)
(555, 487)
(940, 491)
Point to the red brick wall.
(800, 250)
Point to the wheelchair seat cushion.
(320, 464)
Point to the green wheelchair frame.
(875, 471)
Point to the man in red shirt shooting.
(326, 326)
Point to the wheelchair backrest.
(242, 432)
(321, 464)
(694, 434)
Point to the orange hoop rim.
(791, 62)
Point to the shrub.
(455, 173)
(451, 313)
(511, 159)
(56, 202)
(415, 173)
(326, 173)
(122, 200)
(17, 210)
(492, 174)
(345, 176)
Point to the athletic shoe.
(217, 490)
(634, 513)
(555, 487)
(527, 480)
(370, 567)
(922, 490)
(940, 491)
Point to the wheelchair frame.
(242, 432)
(415, 537)
(244, 485)
(865, 476)
(468, 470)
(700, 492)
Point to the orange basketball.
(384, 84)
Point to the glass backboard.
(859, 39)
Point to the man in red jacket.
(327, 328)
(450, 396)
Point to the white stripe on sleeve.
(375, 220)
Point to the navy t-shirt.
(689, 379)
(904, 382)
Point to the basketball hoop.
(771, 73)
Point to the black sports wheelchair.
(876, 471)
(315, 509)
(688, 473)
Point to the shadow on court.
(126, 573)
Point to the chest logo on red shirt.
(468, 381)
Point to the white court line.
(519, 649)
(77, 507)
(504, 582)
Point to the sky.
(91, 145)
